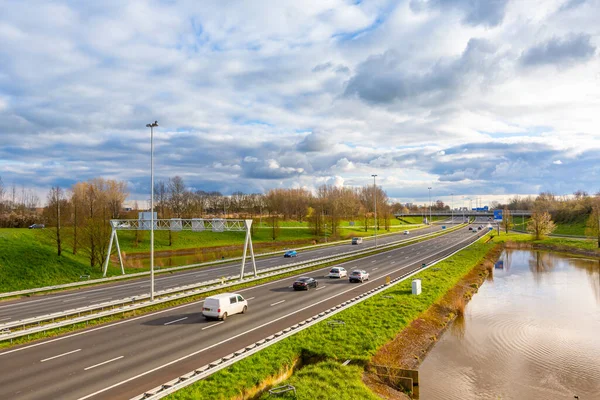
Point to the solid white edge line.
(177, 320)
(5, 319)
(60, 355)
(241, 334)
(210, 326)
(102, 363)
(279, 302)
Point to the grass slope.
(27, 260)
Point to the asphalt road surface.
(46, 304)
(123, 359)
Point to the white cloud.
(284, 94)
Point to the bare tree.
(56, 202)
(507, 222)
(593, 222)
(540, 224)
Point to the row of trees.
(78, 218)
(323, 210)
(18, 206)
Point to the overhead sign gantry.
(177, 225)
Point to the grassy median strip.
(157, 307)
(317, 352)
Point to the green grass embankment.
(28, 259)
(318, 351)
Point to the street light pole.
(452, 206)
(375, 206)
(152, 126)
(429, 188)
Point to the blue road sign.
(497, 215)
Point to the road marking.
(4, 319)
(279, 302)
(177, 320)
(143, 286)
(102, 363)
(200, 275)
(393, 262)
(320, 287)
(375, 268)
(60, 355)
(110, 298)
(78, 298)
(389, 256)
(208, 327)
(373, 261)
(197, 351)
(251, 298)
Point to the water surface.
(533, 332)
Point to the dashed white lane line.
(177, 320)
(60, 355)
(373, 261)
(201, 275)
(210, 326)
(5, 319)
(251, 298)
(78, 298)
(109, 298)
(393, 262)
(389, 256)
(279, 302)
(102, 363)
(375, 268)
(320, 287)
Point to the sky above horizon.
(475, 98)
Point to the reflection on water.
(531, 333)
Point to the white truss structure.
(177, 225)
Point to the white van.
(223, 305)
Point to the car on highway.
(291, 253)
(305, 283)
(470, 228)
(221, 306)
(358, 275)
(337, 272)
(357, 240)
(37, 226)
(406, 232)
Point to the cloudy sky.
(479, 98)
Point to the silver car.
(358, 275)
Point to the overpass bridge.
(460, 213)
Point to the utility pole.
(429, 188)
(375, 206)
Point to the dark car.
(290, 253)
(470, 228)
(305, 283)
(37, 226)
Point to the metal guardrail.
(205, 371)
(137, 302)
(159, 270)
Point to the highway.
(125, 358)
(28, 307)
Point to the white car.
(337, 272)
(223, 305)
(406, 232)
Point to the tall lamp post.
(152, 126)
(375, 206)
(452, 206)
(429, 188)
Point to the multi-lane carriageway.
(123, 359)
(51, 303)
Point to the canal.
(531, 332)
